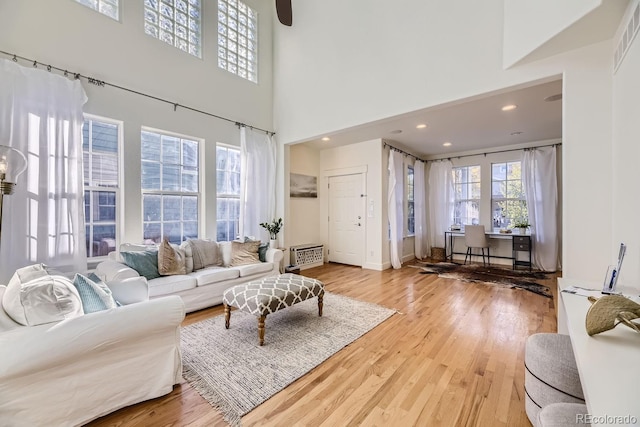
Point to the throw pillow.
(244, 253)
(262, 252)
(205, 253)
(144, 262)
(100, 281)
(95, 295)
(43, 299)
(170, 259)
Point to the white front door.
(346, 219)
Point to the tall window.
(228, 192)
(106, 7)
(176, 22)
(100, 147)
(466, 181)
(508, 204)
(170, 187)
(238, 39)
(411, 222)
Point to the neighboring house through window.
(238, 39)
(228, 192)
(466, 182)
(101, 147)
(508, 204)
(170, 187)
(411, 228)
(106, 7)
(176, 22)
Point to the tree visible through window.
(101, 193)
(508, 204)
(238, 39)
(466, 181)
(228, 192)
(170, 187)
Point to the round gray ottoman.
(551, 374)
(563, 414)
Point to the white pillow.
(225, 253)
(40, 298)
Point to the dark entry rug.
(491, 275)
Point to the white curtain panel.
(257, 182)
(43, 222)
(419, 210)
(541, 193)
(395, 201)
(440, 201)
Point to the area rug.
(491, 275)
(232, 372)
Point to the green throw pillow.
(144, 262)
(95, 296)
(262, 252)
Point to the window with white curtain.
(176, 22)
(466, 185)
(410, 211)
(101, 146)
(508, 204)
(228, 193)
(238, 39)
(170, 186)
(106, 7)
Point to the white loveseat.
(69, 372)
(200, 288)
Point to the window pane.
(152, 232)
(171, 208)
(104, 137)
(151, 207)
(170, 150)
(150, 176)
(498, 172)
(498, 189)
(189, 180)
(170, 178)
(150, 146)
(190, 154)
(239, 23)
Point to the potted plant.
(522, 225)
(273, 228)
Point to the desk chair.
(475, 238)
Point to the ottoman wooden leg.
(261, 320)
(320, 297)
(227, 316)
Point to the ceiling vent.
(628, 35)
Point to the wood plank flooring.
(453, 356)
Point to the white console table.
(609, 362)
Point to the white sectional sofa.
(200, 288)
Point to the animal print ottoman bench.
(270, 294)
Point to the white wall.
(68, 35)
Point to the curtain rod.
(386, 144)
(102, 83)
(494, 152)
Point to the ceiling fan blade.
(285, 14)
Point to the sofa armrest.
(274, 256)
(110, 271)
(32, 349)
(130, 290)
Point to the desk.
(607, 362)
(519, 242)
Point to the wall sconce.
(12, 164)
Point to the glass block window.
(466, 184)
(508, 204)
(106, 7)
(170, 187)
(100, 146)
(228, 193)
(176, 22)
(411, 218)
(238, 39)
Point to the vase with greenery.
(273, 228)
(522, 225)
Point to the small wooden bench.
(270, 294)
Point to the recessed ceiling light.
(446, 144)
(509, 107)
(516, 133)
(556, 97)
(396, 131)
(421, 126)
(326, 138)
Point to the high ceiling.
(473, 124)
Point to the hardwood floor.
(453, 356)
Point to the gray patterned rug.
(233, 373)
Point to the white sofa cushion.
(6, 322)
(170, 284)
(41, 300)
(210, 275)
(251, 269)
